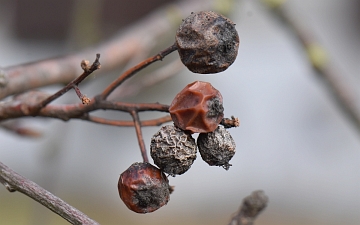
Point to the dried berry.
(207, 42)
(217, 148)
(173, 150)
(197, 108)
(144, 188)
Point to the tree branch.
(251, 207)
(21, 105)
(133, 70)
(22, 78)
(139, 135)
(132, 88)
(121, 123)
(87, 71)
(114, 53)
(15, 182)
(344, 95)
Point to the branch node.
(84, 99)
(9, 187)
(85, 65)
(5, 183)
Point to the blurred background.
(293, 142)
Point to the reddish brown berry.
(144, 188)
(217, 147)
(197, 108)
(173, 150)
(207, 42)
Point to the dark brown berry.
(197, 108)
(173, 150)
(144, 188)
(207, 42)
(217, 147)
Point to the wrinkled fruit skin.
(207, 42)
(197, 108)
(217, 148)
(173, 150)
(143, 188)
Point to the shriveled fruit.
(217, 147)
(207, 42)
(144, 188)
(173, 150)
(197, 108)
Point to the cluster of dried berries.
(198, 108)
(207, 43)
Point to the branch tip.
(84, 99)
(85, 65)
(250, 208)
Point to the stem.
(121, 123)
(133, 70)
(228, 123)
(139, 135)
(15, 182)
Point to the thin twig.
(251, 207)
(139, 135)
(157, 76)
(133, 70)
(19, 107)
(14, 127)
(121, 123)
(15, 182)
(87, 71)
(84, 99)
(114, 53)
